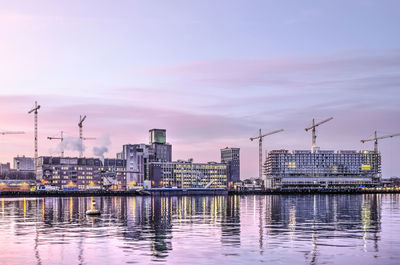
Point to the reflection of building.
(322, 168)
(186, 174)
(81, 173)
(231, 156)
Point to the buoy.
(93, 210)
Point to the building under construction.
(322, 168)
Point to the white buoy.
(93, 210)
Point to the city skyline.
(210, 76)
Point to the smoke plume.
(104, 142)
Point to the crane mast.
(80, 125)
(59, 138)
(314, 131)
(260, 137)
(35, 112)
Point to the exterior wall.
(81, 173)
(23, 163)
(303, 167)
(231, 157)
(135, 169)
(184, 174)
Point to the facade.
(231, 157)
(186, 174)
(23, 163)
(82, 173)
(134, 154)
(322, 168)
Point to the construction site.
(147, 166)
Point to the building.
(186, 174)
(138, 157)
(231, 157)
(322, 168)
(134, 154)
(4, 168)
(23, 163)
(82, 173)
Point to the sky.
(209, 72)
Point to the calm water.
(311, 229)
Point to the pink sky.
(212, 74)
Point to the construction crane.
(376, 138)
(260, 137)
(81, 138)
(35, 112)
(314, 133)
(10, 132)
(59, 138)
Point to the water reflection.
(312, 229)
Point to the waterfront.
(276, 229)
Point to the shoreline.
(192, 192)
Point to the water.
(275, 229)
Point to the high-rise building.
(135, 155)
(138, 157)
(322, 168)
(231, 157)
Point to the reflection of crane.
(35, 111)
(9, 132)
(314, 133)
(259, 137)
(81, 138)
(59, 138)
(375, 139)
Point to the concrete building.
(138, 157)
(231, 157)
(23, 163)
(322, 168)
(186, 174)
(135, 155)
(82, 173)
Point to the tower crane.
(35, 112)
(11, 132)
(59, 138)
(260, 137)
(376, 138)
(314, 132)
(81, 138)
